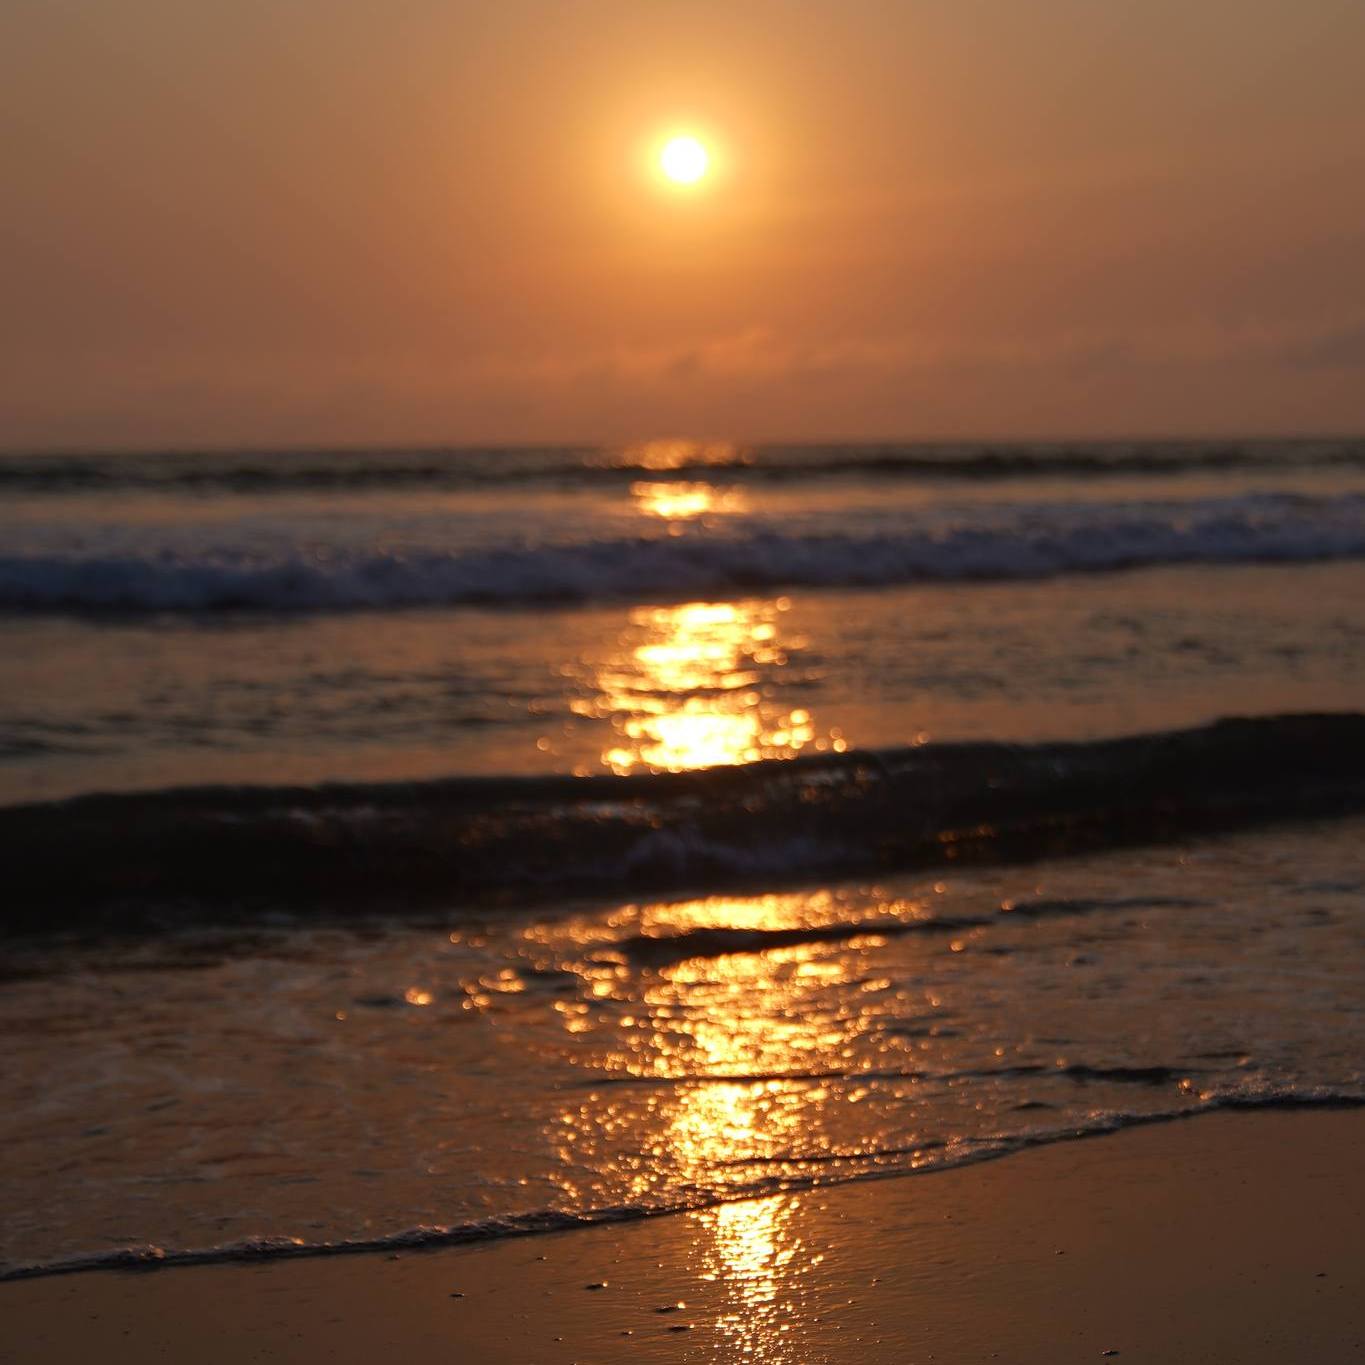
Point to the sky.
(327, 222)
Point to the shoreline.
(1235, 1236)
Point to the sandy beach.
(1229, 1238)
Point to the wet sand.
(1237, 1237)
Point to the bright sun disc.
(683, 160)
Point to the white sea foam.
(1025, 541)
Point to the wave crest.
(1033, 541)
(205, 850)
(260, 473)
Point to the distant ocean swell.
(868, 1165)
(1027, 542)
(146, 860)
(285, 471)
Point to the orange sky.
(431, 220)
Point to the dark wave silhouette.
(262, 472)
(150, 859)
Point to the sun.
(683, 160)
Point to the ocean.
(407, 847)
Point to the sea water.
(670, 982)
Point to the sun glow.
(683, 160)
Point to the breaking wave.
(152, 859)
(1028, 542)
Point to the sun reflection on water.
(676, 502)
(738, 1043)
(696, 686)
(699, 684)
(665, 455)
(752, 1250)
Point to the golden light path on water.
(721, 1054)
(752, 1249)
(680, 502)
(696, 685)
(677, 454)
(748, 1247)
(692, 692)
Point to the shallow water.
(323, 1083)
